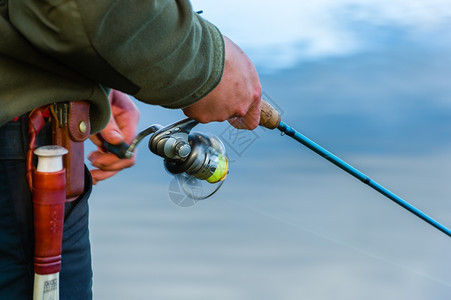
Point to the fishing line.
(270, 118)
(343, 244)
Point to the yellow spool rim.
(221, 171)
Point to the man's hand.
(236, 98)
(122, 127)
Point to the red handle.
(49, 196)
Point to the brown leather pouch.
(71, 127)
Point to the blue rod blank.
(284, 128)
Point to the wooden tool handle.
(49, 196)
(269, 116)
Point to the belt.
(14, 138)
(69, 128)
(14, 142)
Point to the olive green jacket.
(159, 51)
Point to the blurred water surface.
(287, 224)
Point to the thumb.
(111, 133)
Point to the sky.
(278, 34)
(380, 64)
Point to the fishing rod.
(271, 119)
(196, 156)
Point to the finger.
(112, 133)
(125, 113)
(95, 140)
(236, 122)
(109, 161)
(99, 175)
(250, 120)
(128, 125)
(116, 166)
(106, 158)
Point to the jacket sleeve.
(159, 51)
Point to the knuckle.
(241, 111)
(202, 119)
(137, 113)
(222, 118)
(257, 92)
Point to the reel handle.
(120, 150)
(269, 117)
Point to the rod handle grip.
(269, 117)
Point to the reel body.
(189, 155)
(198, 154)
(206, 161)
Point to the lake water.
(288, 230)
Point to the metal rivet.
(82, 126)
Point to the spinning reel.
(188, 155)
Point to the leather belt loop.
(36, 122)
(70, 128)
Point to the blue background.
(370, 81)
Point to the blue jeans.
(16, 228)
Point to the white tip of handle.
(50, 158)
(46, 287)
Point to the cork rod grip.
(269, 116)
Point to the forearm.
(158, 51)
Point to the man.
(59, 51)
